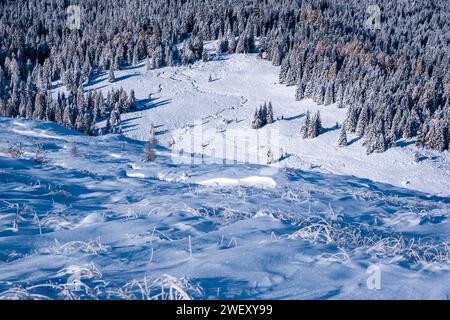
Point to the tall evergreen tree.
(342, 142)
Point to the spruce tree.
(342, 142)
(315, 127)
(304, 131)
(269, 116)
(111, 76)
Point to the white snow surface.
(105, 224)
(183, 99)
(313, 224)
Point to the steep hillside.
(89, 219)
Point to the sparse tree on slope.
(111, 76)
(342, 142)
(304, 131)
(269, 116)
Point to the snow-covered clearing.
(95, 221)
(201, 115)
(104, 224)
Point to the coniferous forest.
(394, 80)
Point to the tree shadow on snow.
(148, 104)
(127, 76)
(354, 140)
(299, 116)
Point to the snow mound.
(256, 181)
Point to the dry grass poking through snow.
(84, 282)
(359, 238)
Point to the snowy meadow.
(222, 149)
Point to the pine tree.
(269, 116)
(132, 101)
(304, 132)
(240, 46)
(300, 93)
(375, 138)
(363, 121)
(315, 128)
(421, 136)
(2, 82)
(257, 123)
(14, 71)
(111, 76)
(329, 94)
(39, 106)
(342, 142)
(232, 44)
(222, 46)
(437, 136)
(115, 121)
(135, 60)
(67, 117)
(148, 64)
(263, 114)
(351, 122)
(205, 56)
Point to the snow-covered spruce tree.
(375, 140)
(149, 64)
(232, 44)
(115, 121)
(40, 106)
(240, 46)
(269, 115)
(363, 121)
(351, 122)
(304, 131)
(2, 82)
(263, 114)
(222, 46)
(437, 137)
(111, 76)
(256, 122)
(342, 142)
(329, 94)
(205, 56)
(421, 136)
(315, 127)
(132, 101)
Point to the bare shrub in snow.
(74, 151)
(16, 151)
(150, 154)
(152, 134)
(40, 155)
(349, 237)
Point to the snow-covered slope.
(100, 223)
(184, 101)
